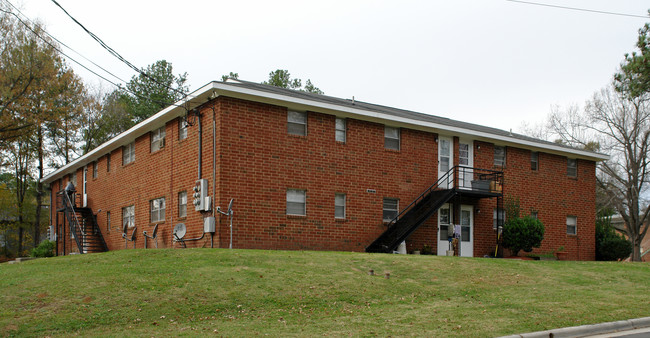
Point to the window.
(297, 123)
(296, 202)
(501, 220)
(108, 162)
(463, 153)
(182, 128)
(182, 204)
(157, 208)
(73, 178)
(571, 225)
(444, 221)
(158, 139)
(128, 216)
(391, 138)
(108, 220)
(339, 205)
(391, 209)
(534, 214)
(499, 156)
(128, 153)
(572, 167)
(534, 160)
(340, 129)
(95, 169)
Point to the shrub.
(610, 246)
(45, 249)
(522, 234)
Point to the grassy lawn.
(291, 293)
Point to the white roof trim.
(202, 94)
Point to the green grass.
(292, 293)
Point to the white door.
(465, 162)
(85, 192)
(444, 222)
(445, 161)
(466, 231)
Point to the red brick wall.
(258, 161)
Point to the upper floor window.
(128, 153)
(340, 129)
(128, 216)
(297, 123)
(534, 160)
(108, 162)
(95, 169)
(572, 167)
(296, 202)
(391, 138)
(339, 205)
(499, 156)
(390, 209)
(571, 225)
(158, 139)
(157, 207)
(182, 128)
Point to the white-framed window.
(534, 160)
(296, 202)
(391, 138)
(339, 205)
(340, 129)
(572, 167)
(158, 139)
(500, 156)
(182, 128)
(390, 208)
(128, 216)
(108, 162)
(463, 153)
(182, 204)
(297, 123)
(95, 169)
(128, 153)
(157, 207)
(572, 225)
(501, 219)
(444, 221)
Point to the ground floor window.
(571, 225)
(157, 209)
(182, 204)
(391, 209)
(128, 216)
(296, 202)
(339, 206)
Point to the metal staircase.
(83, 227)
(488, 184)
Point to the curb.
(588, 330)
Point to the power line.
(579, 9)
(63, 44)
(82, 65)
(116, 54)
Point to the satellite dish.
(124, 228)
(133, 234)
(230, 206)
(155, 230)
(179, 230)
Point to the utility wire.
(116, 54)
(63, 44)
(577, 9)
(82, 65)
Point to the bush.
(45, 249)
(610, 246)
(523, 234)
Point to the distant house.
(313, 172)
(619, 224)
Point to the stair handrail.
(422, 195)
(74, 227)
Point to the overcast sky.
(492, 62)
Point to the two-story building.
(313, 172)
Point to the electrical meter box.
(200, 195)
(209, 224)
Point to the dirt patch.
(87, 299)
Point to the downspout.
(214, 169)
(198, 116)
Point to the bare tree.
(620, 126)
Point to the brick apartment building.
(312, 172)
